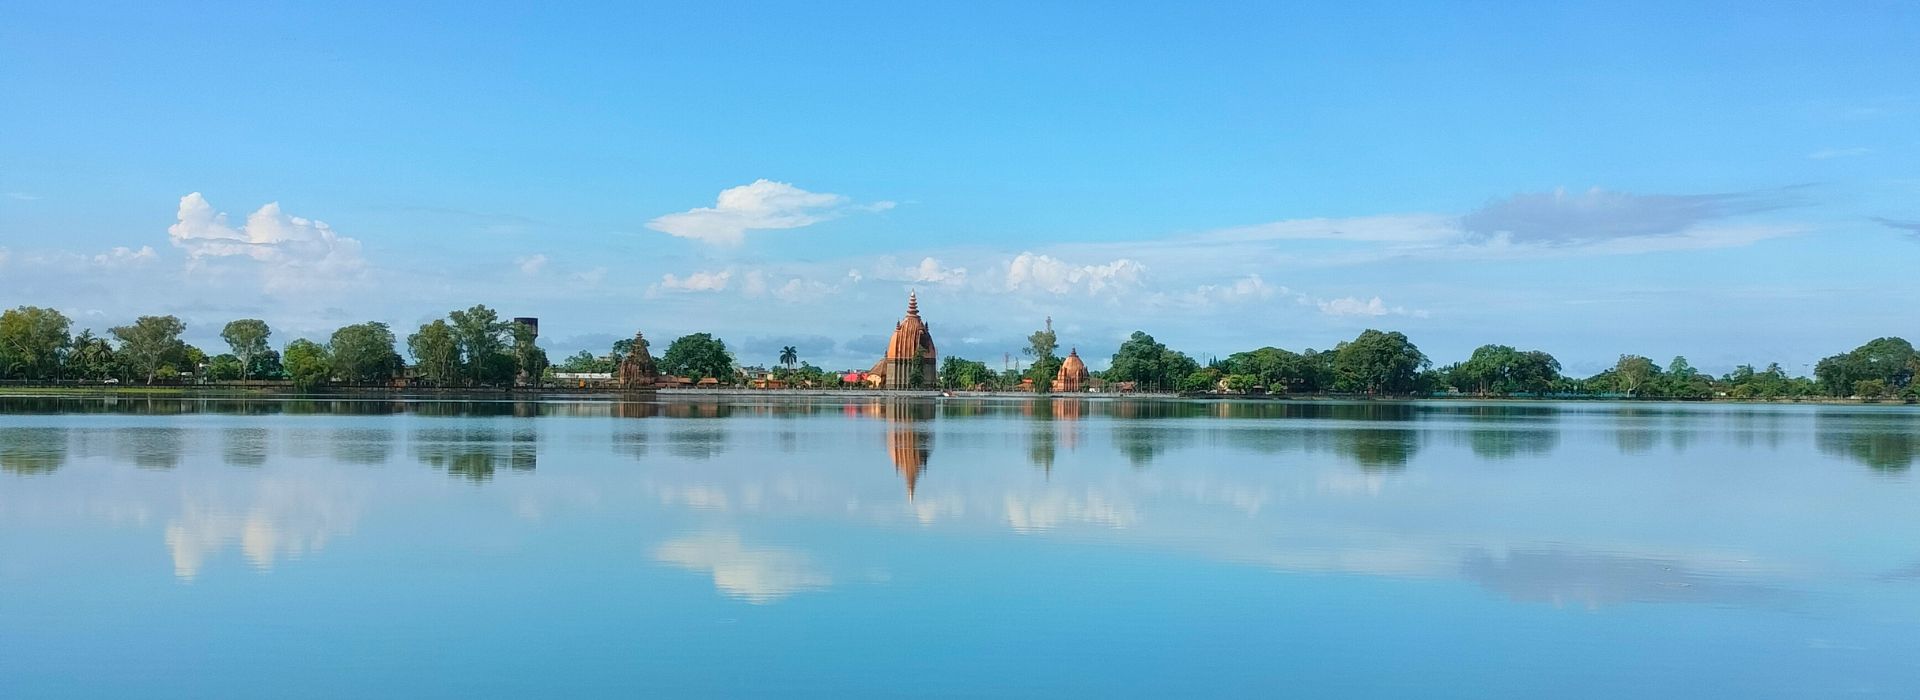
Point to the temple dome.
(911, 339)
(1073, 374)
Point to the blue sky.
(1733, 182)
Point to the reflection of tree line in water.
(1387, 434)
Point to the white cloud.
(696, 282)
(22, 196)
(1044, 273)
(1831, 153)
(1355, 306)
(758, 575)
(1388, 228)
(1248, 288)
(122, 256)
(929, 271)
(531, 264)
(592, 276)
(761, 205)
(292, 251)
(799, 290)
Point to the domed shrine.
(909, 363)
(1073, 376)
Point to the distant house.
(708, 383)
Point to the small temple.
(1073, 375)
(637, 369)
(909, 363)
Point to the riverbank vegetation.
(475, 348)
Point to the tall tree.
(1151, 365)
(91, 357)
(1379, 362)
(479, 330)
(33, 341)
(436, 352)
(698, 355)
(1634, 374)
(248, 338)
(308, 363)
(363, 352)
(789, 356)
(149, 342)
(1043, 346)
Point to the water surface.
(184, 548)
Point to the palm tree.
(789, 356)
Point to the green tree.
(585, 362)
(147, 344)
(248, 338)
(1892, 361)
(308, 363)
(1043, 346)
(789, 356)
(92, 357)
(225, 367)
(698, 355)
(266, 365)
(956, 373)
(1379, 362)
(1240, 383)
(1150, 365)
(363, 353)
(33, 342)
(479, 332)
(436, 352)
(1634, 375)
(1502, 370)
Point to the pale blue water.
(957, 548)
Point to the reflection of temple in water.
(909, 443)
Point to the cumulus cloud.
(696, 282)
(122, 256)
(928, 271)
(1558, 217)
(531, 264)
(291, 250)
(758, 206)
(1248, 288)
(1355, 306)
(1029, 272)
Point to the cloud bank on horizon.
(1236, 182)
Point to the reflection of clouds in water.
(758, 575)
(286, 518)
(1049, 509)
(698, 496)
(1596, 579)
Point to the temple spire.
(913, 303)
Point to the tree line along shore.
(475, 349)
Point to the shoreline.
(286, 393)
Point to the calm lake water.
(1061, 548)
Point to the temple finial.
(913, 303)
